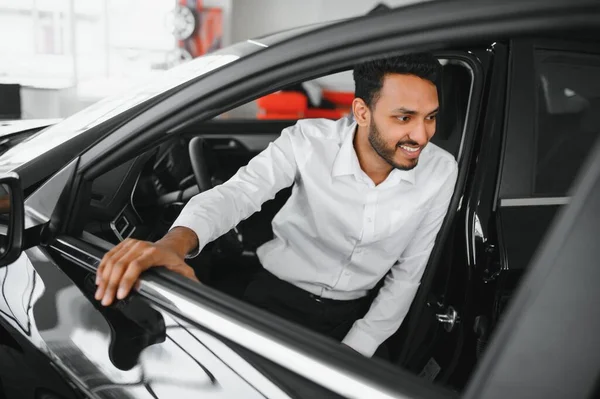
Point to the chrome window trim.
(329, 376)
(548, 201)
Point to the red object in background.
(294, 105)
(282, 105)
(340, 98)
(324, 113)
(208, 32)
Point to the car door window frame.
(373, 386)
(341, 370)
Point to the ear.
(362, 113)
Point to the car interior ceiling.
(142, 197)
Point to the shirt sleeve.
(393, 301)
(216, 211)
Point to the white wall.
(252, 18)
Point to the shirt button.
(369, 220)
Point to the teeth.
(410, 149)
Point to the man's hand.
(122, 266)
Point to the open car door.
(548, 345)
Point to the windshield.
(113, 106)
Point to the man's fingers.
(104, 259)
(121, 267)
(132, 274)
(118, 269)
(110, 255)
(124, 249)
(106, 265)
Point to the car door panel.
(548, 345)
(523, 228)
(25, 372)
(549, 133)
(53, 313)
(279, 380)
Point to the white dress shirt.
(338, 234)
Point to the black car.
(12, 132)
(508, 303)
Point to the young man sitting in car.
(369, 197)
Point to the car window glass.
(329, 97)
(568, 117)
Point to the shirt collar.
(396, 175)
(346, 161)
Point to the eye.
(431, 117)
(403, 118)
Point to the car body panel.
(548, 345)
(10, 127)
(64, 323)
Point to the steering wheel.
(231, 243)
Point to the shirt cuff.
(361, 341)
(198, 226)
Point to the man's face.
(403, 119)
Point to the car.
(507, 306)
(12, 132)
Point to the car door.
(551, 128)
(518, 189)
(547, 345)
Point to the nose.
(420, 133)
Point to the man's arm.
(206, 217)
(214, 212)
(393, 301)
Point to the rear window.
(568, 117)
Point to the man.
(369, 197)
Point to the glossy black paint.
(467, 284)
(27, 373)
(559, 341)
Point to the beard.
(388, 152)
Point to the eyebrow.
(407, 111)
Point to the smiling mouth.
(410, 152)
(410, 149)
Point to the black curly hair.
(368, 76)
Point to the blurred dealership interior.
(59, 56)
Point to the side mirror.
(12, 218)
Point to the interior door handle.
(449, 319)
